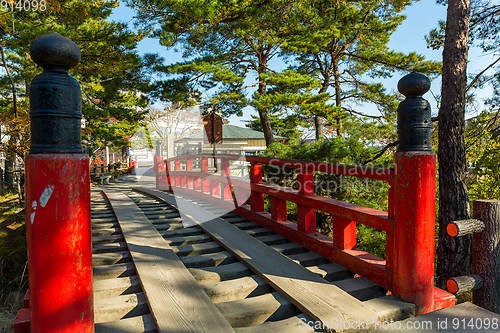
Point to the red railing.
(407, 271)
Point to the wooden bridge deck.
(209, 270)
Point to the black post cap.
(414, 114)
(55, 97)
(414, 84)
(159, 148)
(55, 51)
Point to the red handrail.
(304, 166)
(402, 223)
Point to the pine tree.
(343, 43)
(108, 71)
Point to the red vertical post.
(205, 182)
(278, 209)
(189, 167)
(415, 199)
(225, 186)
(130, 166)
(168, 181)
(256, 198)
(159, 172)
(414, 208)
(389, 237)
(22, 322)
(215, 186)
(344, 233)
(159, 166)
(306, 217)
(177, 168)
(58, 195)
(197, 180)
(183, 178)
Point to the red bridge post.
(159, 167)
(414, 198)
(256, 198)
(58, 195)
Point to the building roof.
(231, 132)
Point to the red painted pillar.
(389, 237)
(414, 198)
(205, 182)
(278, 209)
(197, 182)
(159, 172)
(306, 217)
(177, 168)
(344, 233)
(415, 195)
(159, 166)
(256, 198)
(226, 186)
(183, 178)
(58, 196)
(167, 175)
(189, 167)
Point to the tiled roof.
(230, 132)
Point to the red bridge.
(197, 252)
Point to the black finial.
(414, 113)
(55, 97)
(159, 148)
(55, 51)
(414, 84)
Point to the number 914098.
(26, 5)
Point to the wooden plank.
(360, 262)
(176, 300)
(313, 295)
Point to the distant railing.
(105, 172)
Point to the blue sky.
(422, 16)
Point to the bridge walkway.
(250, 298)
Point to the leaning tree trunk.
(453, 253)
(263, 113)
(318, 120)
(338, 92)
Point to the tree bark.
(263, 113)
(486, 255)
(318, 123)
(318, 120)
(9, 172)
(338, 92)
(454, 258)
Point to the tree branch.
(381, 152)
(480, 74)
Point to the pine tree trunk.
(338, 92)
(318, 120)
(9, 172)
(318, 123)
(263, 113)
(454, 256)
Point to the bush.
(360, 191)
